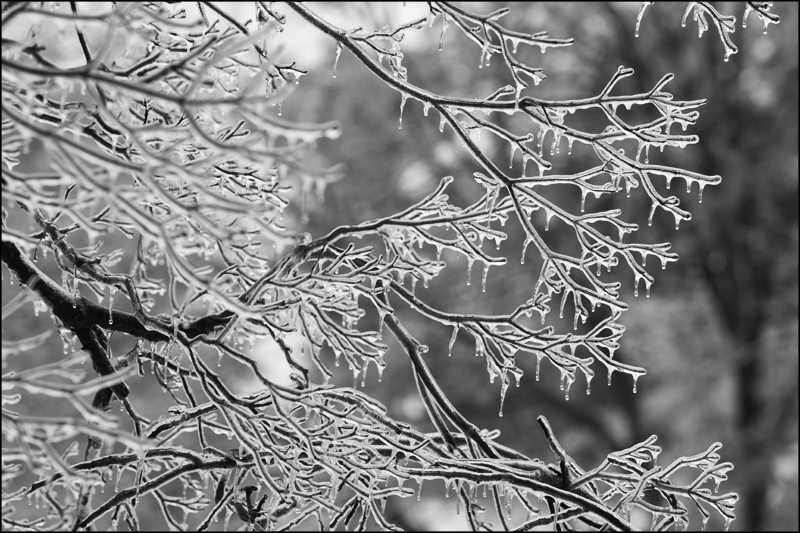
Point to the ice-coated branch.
(166, 133)
(725, 25)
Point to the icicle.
(584, 192)
(652, 213)
(555, 147)
(381, 366)
(111, 291)
(452, 341)
(483, 278)
(442, 120)
(538, 366)
(589, 385)
(570, 140)
(540, 135)
(336, 58)
(137, 481)
(525, 160)
(445, 24)
(524, 247)
(503, 390)
(700, 192)
(403, 98)
(469, 269)
(425, 108)
(508, 502)
(511, 155)
(610, 373)
(547, 215)
(635, 380)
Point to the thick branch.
(78, 313)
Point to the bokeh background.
(719, 334)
